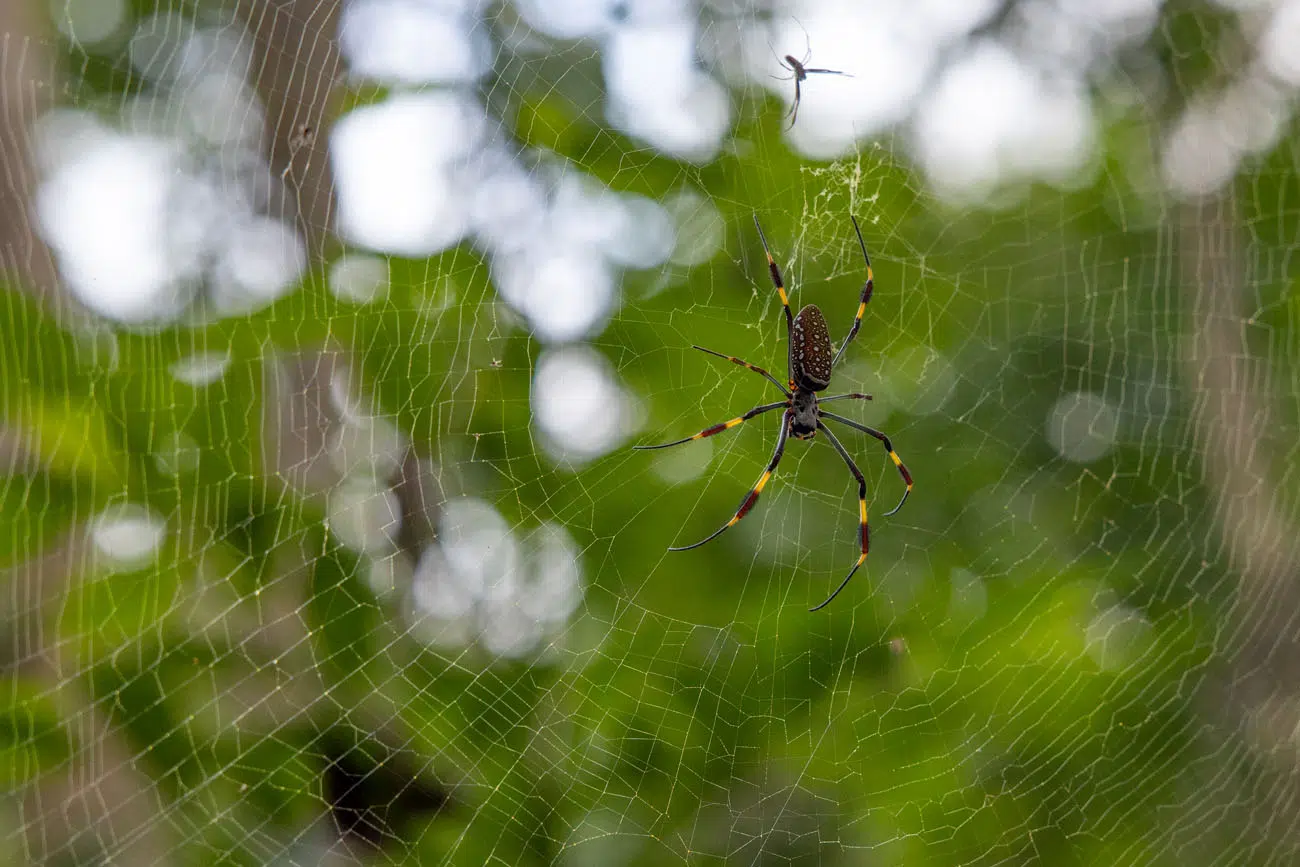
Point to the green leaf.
(342, 612)
(33, 739)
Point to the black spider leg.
(734, 360)
(752, 497)
(775, 271)
(854, 396)
(719, 428)
(799, 76)
(863, 534)
(807, 45)
(867, 289)
(889, 447)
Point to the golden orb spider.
(810, 365)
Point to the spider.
(810, 366)
(800, 72)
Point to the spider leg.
(863, 535)
(794, 109)
(718, 428)
(807, 43)
(867, 289)
(808, 71)
(889, 447)
(775, 271)
(854, 396)
(779, 61)
(734, 360)
(752, 497)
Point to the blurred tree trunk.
(100, 801)
(1256, 696)
(298, 73)
(297, 70)
(27, 83)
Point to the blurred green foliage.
(693, 711)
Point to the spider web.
(332, 326)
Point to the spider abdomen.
(810, 350)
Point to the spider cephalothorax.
(810, 366)
(803, 415)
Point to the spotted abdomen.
(810, 350)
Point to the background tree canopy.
(329, 326)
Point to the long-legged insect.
(799, 71)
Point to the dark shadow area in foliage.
(375, 793)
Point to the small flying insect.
(810, 365)
(800, 71)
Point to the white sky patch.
(89, 22)
(154, 49)
(570, 19)
(656, 92)
(564, 290)
(444, 592)
(1278, 45)
(643, 234)
(584, 211)
(558, 254)
(631, 231)
(558, 258)
(482, 582)
(411, 42)
(947, 19)
(508, 208)
(1082, 426)
(221, 110)
(201, 368)
(128, 536)
(553, 588)
(1197, 156)
(200, 216)
(480, 551)
(579, 406)
(398, 191)
(1243, 5)
(359, 278)
(105, 213)
(64, 135)
(261, 262)
(1124, 19)
(993, 119)
(365, 515)
(1214, 134)
(367, 446)
(209, 48)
